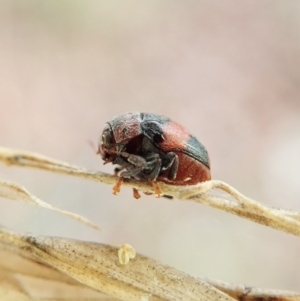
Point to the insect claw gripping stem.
(136, 193)
(117, 187)
(157, 191)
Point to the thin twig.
(287, 221)
(247, 293)
(15, 192)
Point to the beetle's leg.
(117, 187)
(137, 164)
(117, 170)
(136, 193)
(155, 164)
(157, 191)
(156, 161)
(172, 166)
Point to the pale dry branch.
(47, 268)
(97, 266)
(15, 192)
(248, 293)
(287, 221)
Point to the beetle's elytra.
(151, 147)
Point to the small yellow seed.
(125, 253)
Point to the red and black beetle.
(152, 147)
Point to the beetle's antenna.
(92, 144)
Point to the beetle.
(150, 147)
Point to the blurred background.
(228, 71)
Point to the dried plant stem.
(97, 266)
(15, 192)
(287, 221)
(248, 293)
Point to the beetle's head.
(107, 145)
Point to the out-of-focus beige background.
(227, 70)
